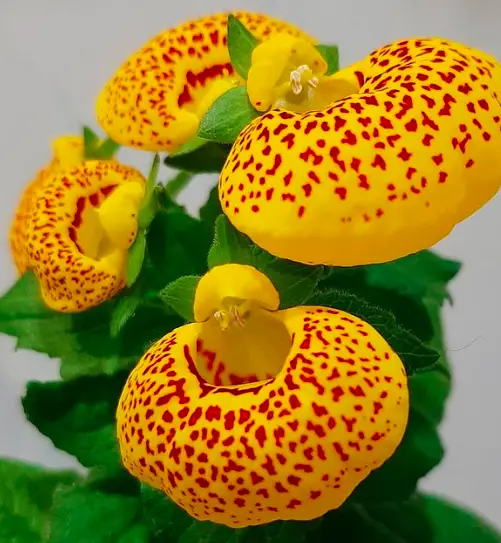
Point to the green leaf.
(164, 519)
(106, 150)
(91, 142)
(422, 275)
(410, 313)
(241, 43)
(189, 146)
(178, 183)
(228, 116)
(453, 524)
(331, 56)
(94, 149)
(149, 205)
(415, 355)
(78, 417)
(207, 158)
(136, 258)
(294, 282)
(81, 341)
(85, 515)
(211, 210)
(421, 519)
(180, 295)
(177, 246)
(26, 496)
(124, 310)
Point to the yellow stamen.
(234, 314)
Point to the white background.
(56, 54)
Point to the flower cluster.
(255, 412)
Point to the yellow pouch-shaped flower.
(378, 161)
(82, 223)
(157, 98)
(253, 415)
(67, 152)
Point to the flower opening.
(291, 446)
(80, 229)
(289, 72)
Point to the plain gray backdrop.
(55, 55)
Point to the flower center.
(233, 313)
(112, 227)
(289, 73)
(242, 344)
(242, 337)
(303, 77)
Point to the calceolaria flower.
(156, 99)
(378, 161)
(252, 414)
(82, 223)
(67, 152)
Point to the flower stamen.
(235, 316)
(300, 76)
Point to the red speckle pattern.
(151, 102)
(379, 174)
(71, 281)
(290, 447)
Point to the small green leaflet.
(149, 205)
(180, 294)
(331, 56)
(211, 210)
(95, 149)
(241, 43)
(124, 310)
(177, 184)
(91, 142)
(106, 150)
(190, 146)
(136, 258)
(228, 116)
(208, 157)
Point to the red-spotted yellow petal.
(291, 447)
(156, 99)
(265, 415)
(67, 152)
(379, 174)
(77, 255)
